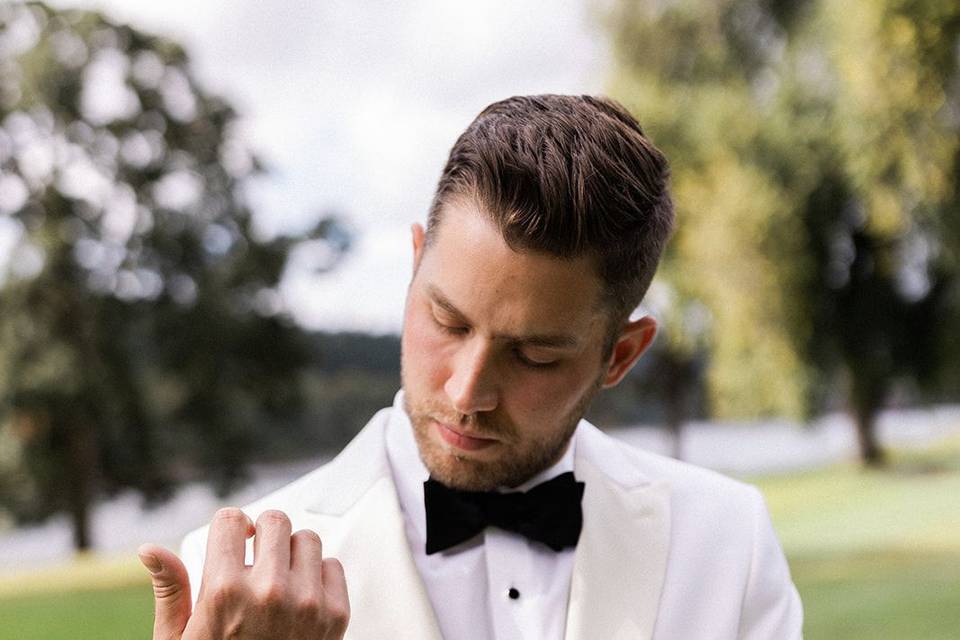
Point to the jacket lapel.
(360, 515)
(621, 557)
(387, 596)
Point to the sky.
(353, 107)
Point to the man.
(455, 513)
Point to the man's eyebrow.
(443, 302)
(555, 341)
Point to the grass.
(880, 595)
(118, 613)
(92, 597)
(875, 556)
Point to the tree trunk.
(675, 419)
(81, 465)
(675, 411)
(871, 453)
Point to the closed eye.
(452, 329)
(533, 364)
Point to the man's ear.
(633, 340)
(418, 243)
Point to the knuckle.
(272, 517)
(224, 593)
(308, 536)
(230, 515)
(338, 613)
(166, 590)
(270, 596)
(333, 566)
(308, 605)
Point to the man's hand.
(290, 593)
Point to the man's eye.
(533, 364)
(453, 329)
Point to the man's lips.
(462, 440)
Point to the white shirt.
(469, 585)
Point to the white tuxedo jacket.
(668, 551)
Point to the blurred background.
(204, 250)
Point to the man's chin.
(464, 470)
(464, 478)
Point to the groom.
(481, 505)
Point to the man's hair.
(569, 176)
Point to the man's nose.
(472, 385)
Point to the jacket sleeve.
(771, 605)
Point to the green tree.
(814, 149)
(882, 212)
(688, 70)
(142, 336)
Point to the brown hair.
(568, 176)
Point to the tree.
(141, 332)
(674, 375)
(815, 170)
(882, 213)
(700, 105)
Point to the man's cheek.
(553, 394)
(424, 358)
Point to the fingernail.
(151, 562)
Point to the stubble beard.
(519, 459)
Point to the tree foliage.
(815, 158)
(141, 331)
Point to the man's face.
(502, 353)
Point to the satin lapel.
(353, 503)
(621, 559)
(387, 596)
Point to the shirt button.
(513, 594)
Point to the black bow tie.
(549, 513)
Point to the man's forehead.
(467, 237)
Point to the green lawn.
(119, 613)
(880, 596)
(875, 556)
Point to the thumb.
(171, 591)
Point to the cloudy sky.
(354, 105)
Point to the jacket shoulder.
(691, 487)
